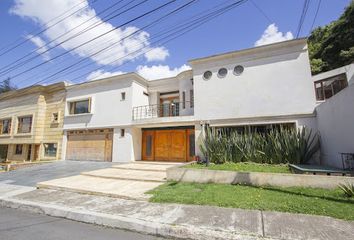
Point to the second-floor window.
(80, 107)
(5, 126)
(24, 124)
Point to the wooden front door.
(167, 145)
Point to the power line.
(146, 26)
(180, 30)
(314, 19)
(190, 26)
(45, 29)
(262, 12)
(92, 26)
(8, 67)
(303, 16)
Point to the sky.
(82, 40)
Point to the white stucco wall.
(335, 120)
(275, 82)
(108, 110)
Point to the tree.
(6, 86)
(332, 46)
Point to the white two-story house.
(126, 117)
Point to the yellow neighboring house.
(31, 123)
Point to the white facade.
(275, 87)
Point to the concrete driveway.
(32, 175)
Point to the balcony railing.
(163, 110)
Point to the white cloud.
(157, 54)
(272, 35)
(160, 71)
(40, 44)
(43, 11)
(102, 74)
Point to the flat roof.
(250, 50)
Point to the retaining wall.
(181, 174)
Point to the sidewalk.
(175, 220)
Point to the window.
(191, 95)
(18, 150)
(222, 72)
(55, 117)
(5, 126)
(327, 88)
(122, 132)
(24, 124)
(207, 75)
(184, 100)
(238, 70)
(80, 107)
(50, 149)
(122, 96)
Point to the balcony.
(174, 109)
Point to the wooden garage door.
(90, 146)
(167, 145)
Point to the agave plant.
(347, 188)
(277, 146)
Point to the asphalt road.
(18, 225)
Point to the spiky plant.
(347, 188)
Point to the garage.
(168, 144)
(90, 145)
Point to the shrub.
(276, 146)
(348, 189)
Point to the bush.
(275, 147)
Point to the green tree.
(332, 46)
(6, 86)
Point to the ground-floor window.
(259, 128)
(50, 149)
(19, 149)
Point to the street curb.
(127, 223)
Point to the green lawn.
(244, 167)
(296, 200)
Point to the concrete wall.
(335, 121)
(275, 82)
(254, 178)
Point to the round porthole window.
(222, 72)
(238, 70)
(207, 75)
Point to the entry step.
(126, 189)
(128, 174)
(144, 167)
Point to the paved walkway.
(177, 220)
(38, 173)
(128, 181)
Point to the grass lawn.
(292, 199)
(244, 167)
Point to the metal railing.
(162, 110)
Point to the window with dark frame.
(55, 117)
(80, 107)
(24, 124)
(18, 150)
(191, 95)
(122, 96)
(327, 88)
(184, 99)
(5, 126)
(50, 149)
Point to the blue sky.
(239, 28)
